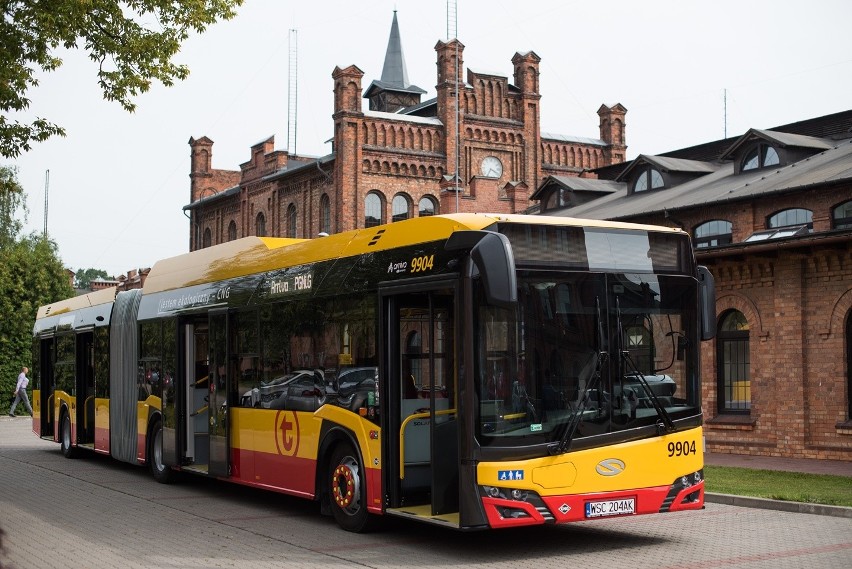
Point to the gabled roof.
(782, 139)
(666, 164)
(724, 185)
(575, 184)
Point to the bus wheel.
(159, 470)
(68, 449)
(348, 490)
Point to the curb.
(780, 505)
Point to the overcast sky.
(686, 71)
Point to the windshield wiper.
(667, 423)
(600, 357)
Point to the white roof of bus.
(77, 302)
(251, 255)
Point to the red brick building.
(770, 213)
(397, 158)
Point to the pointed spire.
(393, 92)
(394, 72)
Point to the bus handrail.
(402, 435)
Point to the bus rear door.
(85, 389)
(204, 401)
(46, 385)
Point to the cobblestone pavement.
(97, 513)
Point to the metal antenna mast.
(452, 32)
(46, 193)
(292, 93)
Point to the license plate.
(603, 508)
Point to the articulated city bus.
(470, 370)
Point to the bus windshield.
(587, 354)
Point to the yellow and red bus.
(471, 370)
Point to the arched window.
(649, 179)
(232, 231)
(401, 207)
(325, 214)
(760, 156)
(712, 234)
(427, 206)
(373, 210)
(260, 225)
(207, 240)
(291, 221)
(785, 223)
(790, 218)
(841, 216)
(733, 369)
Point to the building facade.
(398, 157)
(770, 213)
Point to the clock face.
(492, 167)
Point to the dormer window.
(649, 179)
(760, 156)
(559, 197)
(712, 234)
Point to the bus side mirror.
(492, 255)
(707, 303)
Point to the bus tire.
(159, 470)
(348, 490)
(65, 442)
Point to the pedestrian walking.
(21, 392)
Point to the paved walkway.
(833, 467)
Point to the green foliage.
(132, 42)
(778, 485)
(84, 277)
(31, 274)
(11, 200)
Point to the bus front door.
(420, 387)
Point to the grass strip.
(778, 485)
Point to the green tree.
(132, 42)
(11, 200)
(84, 277)
(31, 275)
